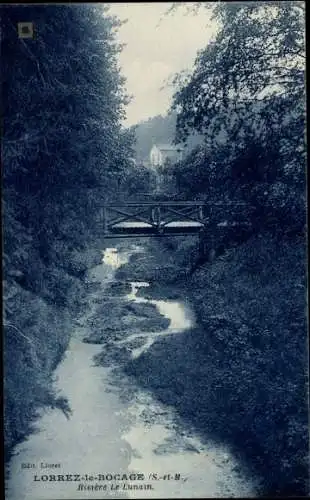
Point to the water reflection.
(176, 312)
(112, 258)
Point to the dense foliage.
(246, 94)
(239, 375)
(63, 152)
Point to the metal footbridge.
(158, 218)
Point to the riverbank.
(241, 375)
(253, 310)
(52, 435)
(39, 340)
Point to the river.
(118, 441)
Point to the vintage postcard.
(154, 250)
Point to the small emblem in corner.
(25, 30)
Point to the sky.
(157, 47)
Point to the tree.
(258, 52)
(63, 102)
(63, 148)
(246, 94)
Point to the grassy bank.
(36, 338)
(241, 374)
(252, 305)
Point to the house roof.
(168, 147)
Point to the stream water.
(119, 442)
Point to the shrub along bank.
(35, 344)
(251, 302)
(241, 373)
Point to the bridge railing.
(162, 217)
(156, 215)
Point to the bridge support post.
(105, 221)
(158, 218)
(200, 243)
(200, 213)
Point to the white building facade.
(160, 153)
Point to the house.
(161, 153)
